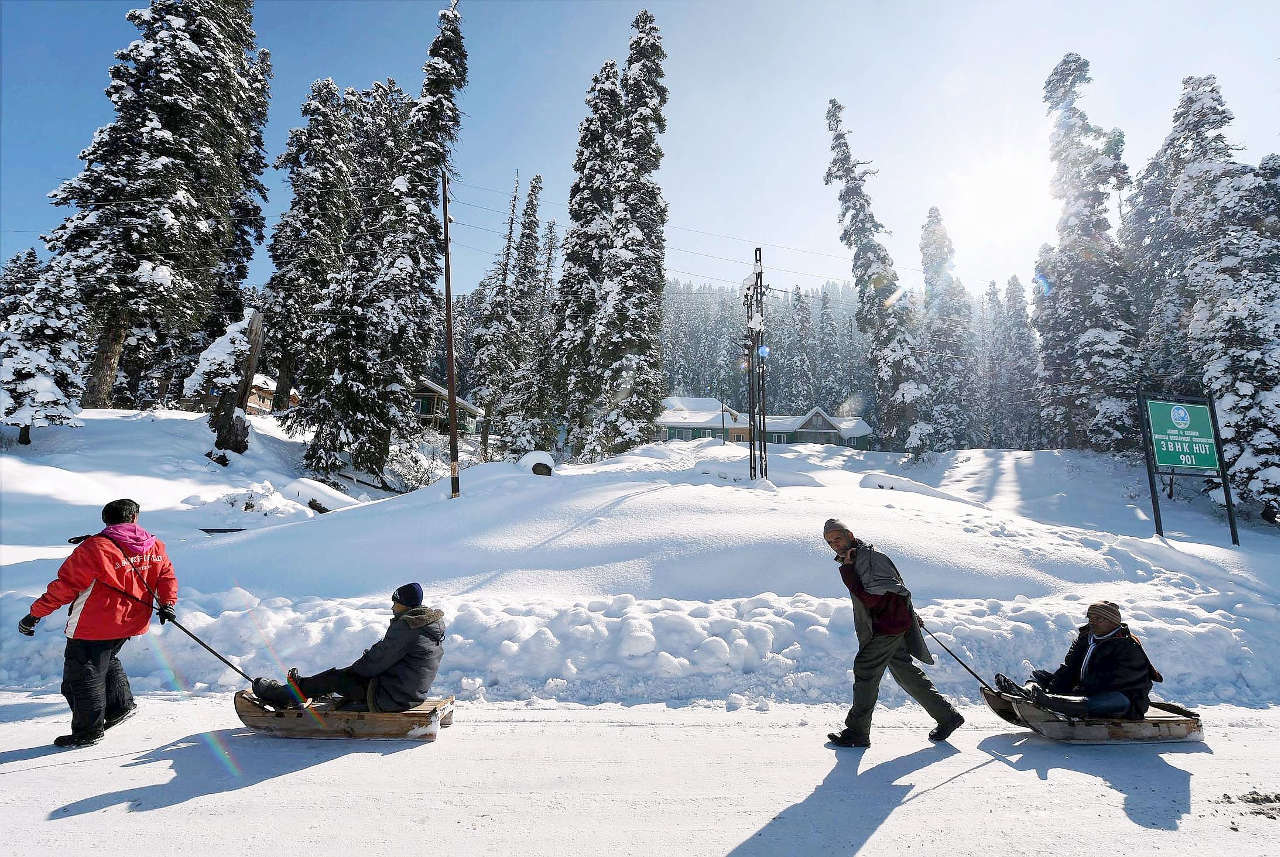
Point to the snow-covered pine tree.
(310, 240)
(1090, 401)
(18, 278)
(1017, 411)
(40, 381)
(830, 378)
(521, 410)
(587, 241)
(1233, 268)
(366, 359)
(800, 384)
(1156, 245)
(495, 356)
(947, 342)
(988, 365)
(234, 94)
(139, 242)
(217, 372)
(883, 315)
(626, 348)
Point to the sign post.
(1180, 438)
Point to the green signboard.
(1182, 435)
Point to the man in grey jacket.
(888, 638)
(394, 674)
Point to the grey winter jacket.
(403, 664)
(879, 575)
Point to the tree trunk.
(484, 435)
(106, 359)
(24, 435)
(285, 369)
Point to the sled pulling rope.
(957, 657)
(177, 624)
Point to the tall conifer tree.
(883, 314)
(626, 349)
(1233, 268)
(1088, 389)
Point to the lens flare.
(178, 682)
(266, 644)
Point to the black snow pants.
(94, 683)
(345, 682)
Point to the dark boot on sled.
(1071, 706)
(278, 695)
(1004, 684)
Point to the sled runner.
(322, 720)
(1164, 722)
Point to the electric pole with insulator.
(455, 488)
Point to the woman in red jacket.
(109, 581)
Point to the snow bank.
(665, 575)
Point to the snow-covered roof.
(692, 412)
(264, 383)
(852, 427)
(426, 384)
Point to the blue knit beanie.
(410, 595)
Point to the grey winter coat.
(403, 664)
(879, 575)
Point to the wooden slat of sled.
(321, 721)
(1167, 725)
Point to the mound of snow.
(664, 574)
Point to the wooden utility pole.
(455, 488)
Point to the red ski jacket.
(90, 578)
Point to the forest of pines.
(1167, 278)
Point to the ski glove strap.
(27, 625)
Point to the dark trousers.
(94, 683)
(340, 680)
(888, 651)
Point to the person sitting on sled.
(394, 674)
(1106, 672)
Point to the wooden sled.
(321, 720)
(1164, 722)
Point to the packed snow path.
(184, 776)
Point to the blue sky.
(943, 98)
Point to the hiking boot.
(121, 717)
(1004, 684)
(943, 730)
(275, 694)
(73, 740)
(845, 738)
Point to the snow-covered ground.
(647, 650)
(184, 777)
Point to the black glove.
(27, 625)
(165, 612)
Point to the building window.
(779, 438)
(686, 434)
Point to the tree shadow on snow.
(224, 760)
(846, 808)
(1156, 794)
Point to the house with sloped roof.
(687, 418)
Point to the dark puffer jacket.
(403, 664)
(1118, 663)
